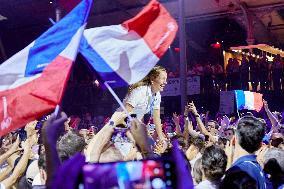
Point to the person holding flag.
(126, 55)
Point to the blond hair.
(154, 73)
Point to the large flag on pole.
(33, 80)
(126, 53)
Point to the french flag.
(33, 80)
(126, 53)
(248, 100)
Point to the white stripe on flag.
(125, 52)
(69, 51)
(12, 71)
(249, 100)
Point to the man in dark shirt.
(246, 170)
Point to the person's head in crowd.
(244, 57)
(277, 139)
(213, 127)
(156, 78)
(181, 141)
(229, 133)
(198, 142)
(214, 162)
(6, 142)
(212, 124)
(197, 171)
(88, 116)
(69, 144)
(171, 74)
(222, 142)
(274, 166)
(197, 146)
(86, 134)
(230, 60)
(249, 134)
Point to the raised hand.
(186, 110)
(30, 128)
(15, 145)
(159, 148)
(229, 150)
(175, 118)
(98, 142)
(118, 118)
(192, 108)
(260, 154)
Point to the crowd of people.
(262, 74)
(58, 151)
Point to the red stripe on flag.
(258, 102)
(32, 100)
(155, 25)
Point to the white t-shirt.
(142, 99)
(2, 186)
(206, 184)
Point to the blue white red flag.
(126, 53)
(248, 100)
(33, 80)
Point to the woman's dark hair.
(214, 162)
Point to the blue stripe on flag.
(55, 40)
(240, 99)
(99, 64)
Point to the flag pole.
(237, 104)
(117, 99)
(238, 113)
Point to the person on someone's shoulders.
(144, 97)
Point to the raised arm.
(98, 142)
(12, 150)
(176, 122)
(50, 132)
(200, 124)
(21, 166)
(158, 124)
(272, 118)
